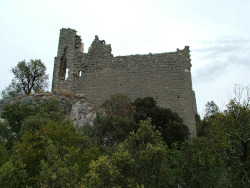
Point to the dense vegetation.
(129, 145)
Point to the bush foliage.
(135, 144)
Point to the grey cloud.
(219, 55)
(224, 46)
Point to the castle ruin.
(97, 74)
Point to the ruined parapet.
(97, 74)
(99, 49)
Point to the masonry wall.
(98, 74)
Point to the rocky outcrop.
(82, 113)
(79, 110)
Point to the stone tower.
(97, 74)
(68, 61)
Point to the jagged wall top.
(69, 39)
(99, 49)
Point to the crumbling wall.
(165, 76)
(68, 60)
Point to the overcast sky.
(217, 31)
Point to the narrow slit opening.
(67, 74)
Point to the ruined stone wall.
(98, 74)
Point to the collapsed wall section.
(166, 77)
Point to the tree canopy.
(166, 121)
(28, 77)
(127, 146)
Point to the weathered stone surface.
(28, 100)
(98, 74)
(82, 113)
(76, 108)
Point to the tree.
(115, 123)
(211, 112)
(140, 160)
(150, 154)
(118, 105)
(55, 155)
(56, 170)
(229, 135)
(195, 165)
(27, 117)
(13, 173)
(167, 122)
(3, 155)
(14, 115)
(29, 76)
(14, 89)
(211, 109)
